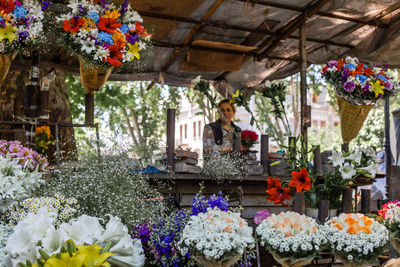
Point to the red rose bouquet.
(249, 138)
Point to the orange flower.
(7, 6)
(108, 25)
(115, 56)
(300, 180)
(272, 182)
(278, 194)
(73, 25)
(43, 129)
(338, 227)
(140, 30)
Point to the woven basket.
(5, 63)
(291, 262)
(93, 77)
(225, 263)
(352, 118)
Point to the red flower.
(108, 25)
(368, 72)
(7, 6)
(139, 29)
(246, 134)
(73, 25)
(115, 56)
(300, 180)
(277, 193)
(325, 69)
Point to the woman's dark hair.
(227, 101)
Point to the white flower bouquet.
(102, 33)
(38, 232)
(16, 181)
(62, 209)
(389, 215)
(354, 164)
(355, 239)
(292, 239)
(216, 238)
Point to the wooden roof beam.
(376, 23)
(191, 34)
(284, 32)
(237, 28)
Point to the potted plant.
(389, 215)
(249, 139)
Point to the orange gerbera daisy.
(115, 56)
(278, 194)
(300, 180)
(73, 25)
(108, 25)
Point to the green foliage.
(129, 108)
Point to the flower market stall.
(98, 212)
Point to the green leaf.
(275, 163)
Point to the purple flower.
(261, 216)
(23, 35)
(82, 11)
(366, 87)
(349, 86)
(45, 5)
(388, 86)
(345, 74)
(124, 7)
(132, 38)
(332, 63)
(2, 24)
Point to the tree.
(132, 109)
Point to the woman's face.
(227, 111)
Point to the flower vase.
(5, 63)
(352, 117)
(293, 262)
(223, 263)
(93, 77)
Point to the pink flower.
(261, 216)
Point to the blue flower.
(350, 66)
(106, 37)
(94, 16)
(361, 78)
(382, 78)
(124, 28)
(19, 12)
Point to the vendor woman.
(218, 136)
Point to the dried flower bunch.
(224, 167)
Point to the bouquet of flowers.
(42, 139)
(355, 164)
(216, 238)
(20, 26)
(292, 239)
(357, 86)
(60, 208)
(389, 215)
(16, 182)
(249, 139)
(224, 167)
(27, 158)
(38, 232)
(102, 34)
(355, 239)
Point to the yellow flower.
(66, 260)
(8, 33)
(112, 14)
(88, 24)
(134, 50)
(377, 88)
(235, 95)
(93, 258)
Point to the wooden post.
(318, 162)
(323, 211)
(365, 201)
(57, 145)
(170, 139)
(303, 79)
(393, 184)
(89, 108)
(299, 203)
(44, 106)
(347, 201)
(345, 147)
(264, 152)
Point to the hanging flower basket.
(93, 77)
(357, 87)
